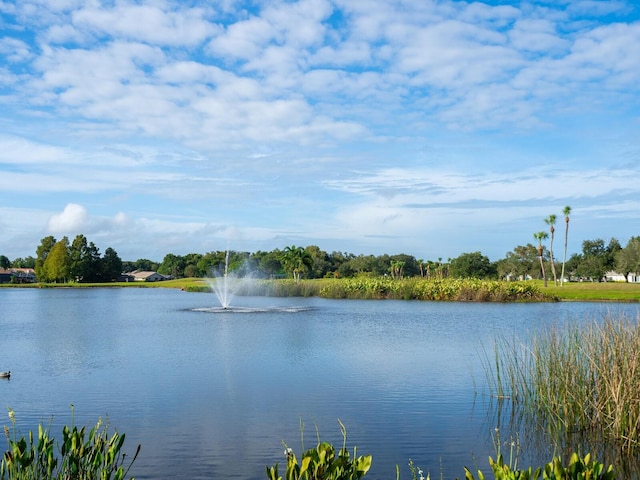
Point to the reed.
(575, 379)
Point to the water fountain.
(221, 286)
(226, 285)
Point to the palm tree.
(541, 236)
(566, 212)
(297, 260)
(551, 221)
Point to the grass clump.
(576, 379)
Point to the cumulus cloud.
(171, 113)
(72, 219)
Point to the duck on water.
(5, 374)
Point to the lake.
(213, 394)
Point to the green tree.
(628, 259)
(42, 252)
(397, 269)
(597, 258)
(172, 265)
(472, 265)
(191, 269)
(551, 221)
(82, 266)
(268, 264)
(111, 265)
(4, 262)
(142, 265)
(57, 265)
(20, 262)
(297, 261)
(566, 211)
(540, 236)
(521, 262)
(410, 267)
(320, 261)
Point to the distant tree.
(191, 265)
(551, 221)
(320, 261)
(628, 258)
(4, 262)
(472, 265)
(397, 269)
(540, 236)
(172, 265)
(57, 265)
(268, 264)
(338, 258)
(42, 252)
(521, 262)
(345, 270)
(20, 262)
(142, 265)
(566, 212)
(360, 265)
(297, 261)
(597, 258)
(410, 267)
(82, 266)
(95, 273)
(111, 265)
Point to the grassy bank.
(410, 288)
(587, 291)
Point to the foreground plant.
(323, 462)
(577, 469)
(96, 455)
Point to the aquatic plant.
(323, 462)
(97, 455)
(578, 378)
(577, 469)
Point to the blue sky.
(426, 127)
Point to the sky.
(426, 127)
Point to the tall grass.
(403, 289)
(448, 289)
(575, 379)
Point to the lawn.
(588, 291)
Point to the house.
(619, 277)
(5, 276)
(144, 276)
(18, 275)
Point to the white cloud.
(257, 113)
(14, 50)
(72, 219)
(147, 23)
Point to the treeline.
(595, 260)
(80, 261)
(58, 261)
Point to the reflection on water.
(212, 394)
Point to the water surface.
(213, 394)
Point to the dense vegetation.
(80, 261)
(415, 288)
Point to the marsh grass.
(578, 379)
